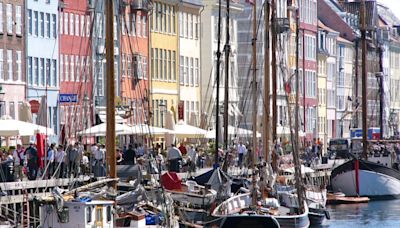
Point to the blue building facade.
(42, 50)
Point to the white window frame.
(53, 73)
(61, 20)
(1, 18)
(10, 65)
(66, 64)
(77, 26)
(9, 14)
(18, 20)
(1, 65)
(19, 65)
(82, 25)
(72, 69)
(66, 23)
(61, 67)
(46, 25)
(71, 24)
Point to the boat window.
(63, 215)
(88, 214)
(99, 212)
(109, 214)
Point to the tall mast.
(217, 78)
(110, 88)
(381, 94)
(227, 50)
(254, 85)
(364, 79)
(295, 142)
(266, 123)
(274, 79)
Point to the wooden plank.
(39, 183)
(19, 198)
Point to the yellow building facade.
(164, 53)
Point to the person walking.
(192, 158)
(242, 150)
(72, 157)
(50, 159)
(19, 157)
(129, 156)
(174, 156)
(59, 159)
(32, 158)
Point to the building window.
(196, 72)
(180, 19)
(48, 76)
(47, 26)
(35, 23)
(18, 20)
(30, 79)
(71, 24)
(10, 64)
(144, 28)
(191, 77)
(66, 23)
(190, 25)
(19, 65)
(62, 68)
(152, 63)
(36, 71)
(186, 70)
(173, 66)
(42, 72)
(61, 23)
(82, 25)
(181, 70)
(66, 63)
(133, 27)
(156, 63)
(12, 109)
(41, 25)
(54, 26)
(138, 26)
(9, 19)
(1, 65)
(76, 25)
(144, 59)
(169, 65)
(72, 69)
(196, 28)
(1, 17)
(165, 65)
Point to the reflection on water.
(377, 214)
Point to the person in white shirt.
(242, 152)
(50, 159)
(192, 156)
(99, 169)
(19, 157)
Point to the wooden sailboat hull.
(194, 199)
(235, 205)
(374, 180)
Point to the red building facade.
(134, 77)
(76, 79)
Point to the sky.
(394, 6)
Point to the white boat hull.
(373, 180)
(371, 184)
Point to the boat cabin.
(96, 213)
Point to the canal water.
(376, 214)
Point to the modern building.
(189, 61)
(12, 57)
(42, 50)
(164, 44)
(76, 81)
(134, 78)
(209, 46)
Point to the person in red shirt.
(182, 148)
